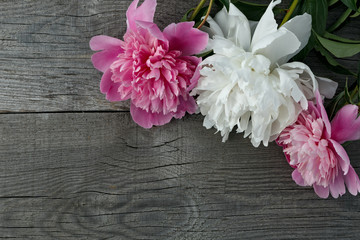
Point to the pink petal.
(111, 49)
(337, 188)
(324, 116)
(188, 105)
(352, 181)
(105, 83)
(321, 191)
(148, 119)
(296, 176)
(287, 156)
(195, 78)
(312, 108)
(109, 87)
(342, 156)
(143, 13)
(102, 60)
(183, 37)
(346, 124)
(103, 42)
(152, 28)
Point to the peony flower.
(153, 69)
(247, 82)
(312, 146)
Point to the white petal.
(235, 26)
(306, 81)
(277, 45)
(267, 24)
(244, 122)
(327, 87)
(224, 46)
(234, 11)
(215, 28)
(222, 19)
(301, 27)
(253, 25)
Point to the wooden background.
(74, 166)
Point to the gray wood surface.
(69, 170)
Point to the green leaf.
(356, 14)
(305, 51)
(198, 17)
(335, 104)
(222, 3)
(350, 4)
(205, 54)
(254, 11)
(333, 64)
(358, 82)
(318, 9)
(339, 39)
(332, 2)
(186, 16)
(299, 9)
(340, 20)
(348, 97)
(339, 49)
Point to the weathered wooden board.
(99, 176)
(45, 57)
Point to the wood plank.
(99, 176)
(45, 58)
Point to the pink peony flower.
(312, 145)
(152, 68)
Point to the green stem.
(290, 11)
(197, 9)
(207, 14)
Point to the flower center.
(153, 75)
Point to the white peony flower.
(247, 82)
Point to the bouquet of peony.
(244, 72)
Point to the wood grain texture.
(99, 176)
(45, 56)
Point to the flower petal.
(321, 191)
(214, 28)
(324, 116)
(148, 119)
(143, 13)
(296, 176)
(267, 24)
(195, 78)
(277, 46)
(346, 124)
(327, 87)
(110, 88)
(337, 188)
(103, 42)
(222, 20)
(352, 181)
(188, 105)
(235, 26)
(152, 28)
(301, 27)
(102, 60)
(342, 156)
(184, 37)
